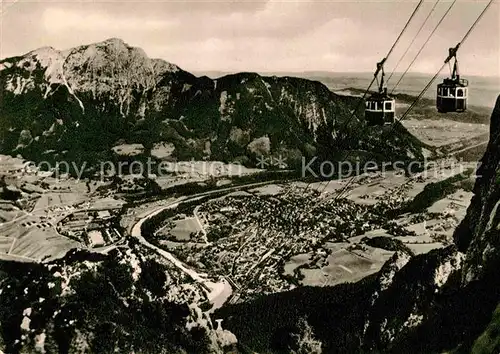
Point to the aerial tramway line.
(380, 108)
(451, 93)
(454, 82)
(375, 105)
(385, 103)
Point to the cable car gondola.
(453, 91)
(380, 108)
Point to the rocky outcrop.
(125, 301)
(407, 290)
(479, 233)
(443, 300)
(80, 102)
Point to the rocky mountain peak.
(115, 89)
(43, 54)
(112, 68)
(116, 42)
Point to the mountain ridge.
(61, 100)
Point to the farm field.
(28, 226)
(184, 228)
(252, 231)
(347, 266)
(33, 239)
(52, 200)
(438, 132)
(341, 266)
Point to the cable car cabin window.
(452, 91)
(460, 93)
(445, 91)
(388, 106)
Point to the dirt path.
(468, 148)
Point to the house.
(95, 238)
(103, 214)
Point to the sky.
(263, 35)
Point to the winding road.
(217, 292)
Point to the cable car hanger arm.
(452, 53)
(380, 66)
(344, 189)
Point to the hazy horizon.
(262, 35)
(322, 72)
(483, 90)
(211, 72)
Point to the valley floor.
(439, 132)
(257, 239)
(276, 237)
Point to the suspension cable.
(414, 38)
(344, 189)
(382, 63)
(450, 56)
(346, 123)
(423, 45)
(405, 27)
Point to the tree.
(304, 342)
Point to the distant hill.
(482, 90)
(78, 104)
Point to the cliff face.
(479, 232)
(439, 302)
(443, 300)
(126, 301)
(81, 102)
